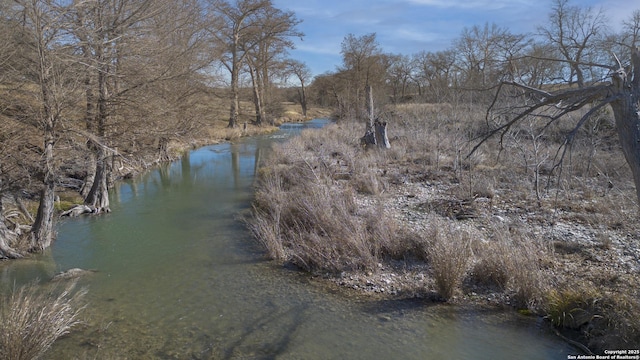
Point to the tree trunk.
(381, 134)
(376, 135)
(235, 69)
(369, 138)
(98, 197)
(626, 111)
(376, 132)
(257, 100)
(235, 104)
(90, 118)
(303, 100)
(91, 172)
(7, 238)
(370, 109)
(42, 231)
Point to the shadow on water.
(179, 277)
(287, 321)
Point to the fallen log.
(79, 210)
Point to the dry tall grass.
(485, 222)
(449, 252)
(509, 261)
(303, 215)
(32, 318)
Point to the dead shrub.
(509, 261)
(324, 232)
(342, 250)
(367, 183)
(449, 254)
(298, 218)
(527, 278)
(304, 211)
(33, 317)
(619, 325)
(483, 187)
(265, 227)
(492, 271)
(386, 235)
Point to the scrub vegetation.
(424, 220)
(512, 177)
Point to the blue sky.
(410, 26)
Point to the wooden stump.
(376, 135)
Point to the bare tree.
(435, 74)
(43, 26)
(400, 75)
(269, 43)
(101, 29)
(363, 65)
(255, 35)
(135, 61)
(302, 72)
(631, 30)
(575, 33)
(239, 20)
(322, 90)
(485, 56)
(125, 46)
(536, 67)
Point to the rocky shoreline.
(607, 258)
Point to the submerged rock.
(72, 274)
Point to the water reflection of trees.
(246, 150)
(243, 156)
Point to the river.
(178, 277)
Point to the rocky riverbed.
(607, 256)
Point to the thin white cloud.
(470, 4)
(410, 26)
(414, 35)
(331, 47)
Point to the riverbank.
(214, 133)
(128, 159)
(422, 220)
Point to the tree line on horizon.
(575, 47)
(574, 64)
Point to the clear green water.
(179, 278)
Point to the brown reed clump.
(33, 317)
(449, 252)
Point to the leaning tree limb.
(563, 101)
(622, 94)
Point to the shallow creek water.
(178, 277)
